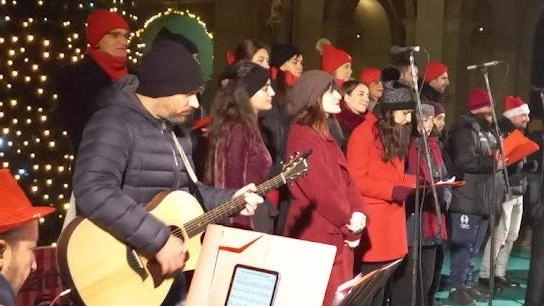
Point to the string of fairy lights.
(37, 37)
(137, 43)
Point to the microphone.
(483, 65)
(398, 50)
(537, 89)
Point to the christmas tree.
(36, 38)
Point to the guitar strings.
(193, 227)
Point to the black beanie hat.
(165, 33)
(168, 69)
(281, 53)
(255, 79)
(397, 96)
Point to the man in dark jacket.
(105, 62)
(472, 145)
(78, 85)
(129, 153)
(18, 237)
(435, 82)
(515, 116)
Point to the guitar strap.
(185, 160)
(193, 180)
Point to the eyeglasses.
(117, 34)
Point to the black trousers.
(435, 286)
(401, 291)
(535, 282)
(382, 295)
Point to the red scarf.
(289, 78)
(114, 66)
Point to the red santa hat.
(514, 106)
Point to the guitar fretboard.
(234, 206)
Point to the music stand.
(366, 286)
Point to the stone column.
(234, 21)
(430, 26)
(307, 29)
(456, 39)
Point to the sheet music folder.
(362, 288)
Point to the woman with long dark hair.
(326, 206)
(376, 152)
(236, 151)
(432, 234)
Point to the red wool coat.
(385, 236)
(323, 200)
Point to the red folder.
(517, 146)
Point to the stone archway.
(366, 29)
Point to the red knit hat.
(100, 22)
(478, 98)
(15, 208)
(514, 106)
(332, 58)
(370, 75)
(433, 70)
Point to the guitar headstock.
(296, 166)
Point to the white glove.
(252, 199)
(352, 244)
(357, 222)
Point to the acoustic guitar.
(105, 271)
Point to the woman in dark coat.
(237, 155)
(355, 100)
(432, 234)
(326, 206)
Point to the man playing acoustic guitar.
(134, 148)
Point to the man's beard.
(482, 117)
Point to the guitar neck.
(229, 208)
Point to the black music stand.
(366, 286)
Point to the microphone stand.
(492, 256)
(417, 239)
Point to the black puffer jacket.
(126, 157)
(470, 145)
(78, 86)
